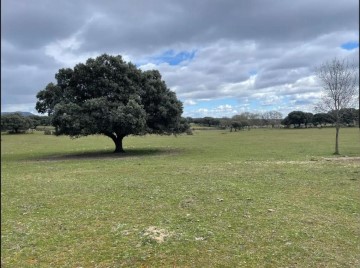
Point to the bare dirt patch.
(295, 162)
(346, 159)
(157, 234)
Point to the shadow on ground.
(98, 155)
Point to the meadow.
(258, 198)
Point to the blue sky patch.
(253, 72)
(350, 45)
(173, 58)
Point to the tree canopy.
(295, 117)
(109, 96)
(15, 123)
(322, 118)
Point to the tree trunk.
(337, 140)
(118, 145)
(117, 139)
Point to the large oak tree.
(109, 96)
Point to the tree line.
(240, 121)
(347, 117)
(274, 119)
(15, 123)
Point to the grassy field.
(259, 198)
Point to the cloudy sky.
(221, 57)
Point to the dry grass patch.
(157, 234)
(344, 159)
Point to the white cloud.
(238, 89)
(225, 110)
(190, 102)
(68, 51)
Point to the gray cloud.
(263, 51)
(32, 24)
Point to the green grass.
(43, 128)
(259, 198)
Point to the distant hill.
(19, 112)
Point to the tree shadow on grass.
(106, 154)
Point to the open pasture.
(259, 198)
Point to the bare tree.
(272, 118)
(339, 82)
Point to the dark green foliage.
(322, 118)
(285, 121)
(349, 116)
(308, 118)
(108, 96)
(15, 123)
(35, 120)
(210, 121)
(236, 126)
(189, 119)
(245, 119)
(40, 120)
(207, 121)
(18, 112)
(296, 118)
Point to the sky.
(221, 57)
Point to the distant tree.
(15, 123)
(349, 116)
(245, 124)
(339, 81)
(207, 121)
(225, 122)
(286, 121)
(243, 119)
(40, 120)
(189, 119)
(308, 119)
(35, 120)
(249, 119)
(45, 120)
(296, 118)
(322, 118)
(210, 121)
(235, 125)
(108, 96)
(271, 118)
